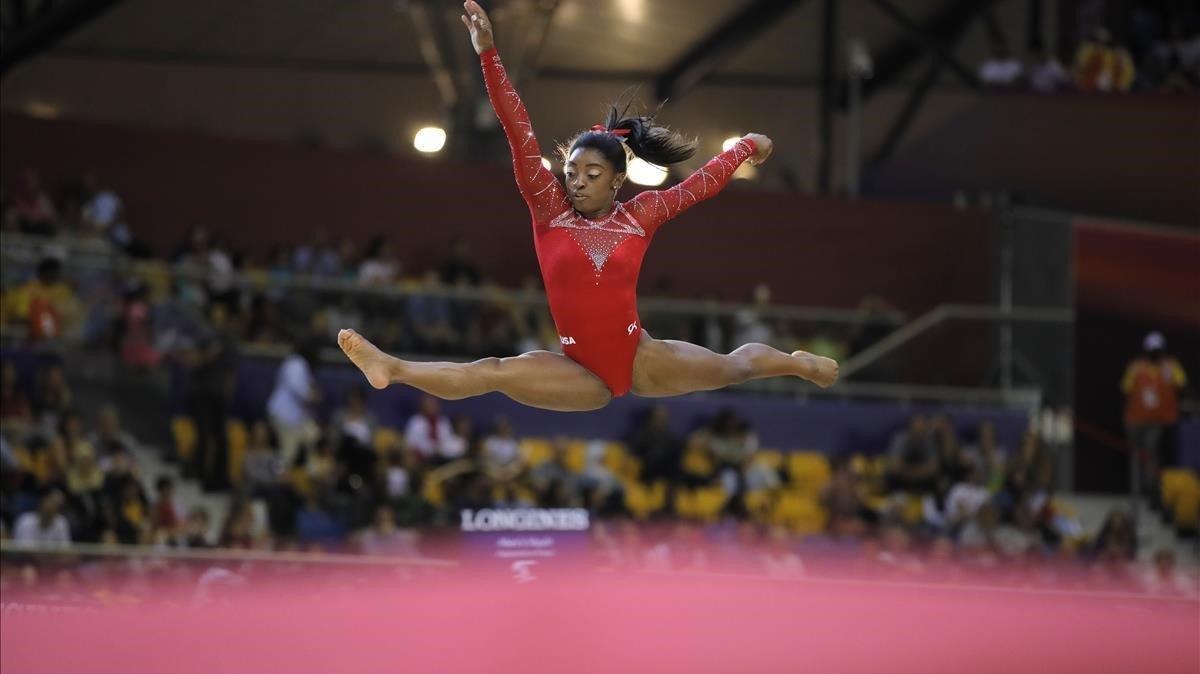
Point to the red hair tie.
(615, 132)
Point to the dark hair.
(655, 144)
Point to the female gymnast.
(590, 248)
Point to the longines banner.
(525, 542)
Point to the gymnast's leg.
(539, 378)
(667, 367)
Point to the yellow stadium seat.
(685, 503)
(576, 459)
(772, 458)
(809, 471)
(758, 503)
(614, 457)
(643, 501)
(386, 439)
(183, 431)
(697, 462)
(799, 512)
(1185, 509)
(859, 465)
(535, 451)
(1171, 482)
(238, 440)
(708, 502)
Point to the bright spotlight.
(644, 173)
(546, 163)
(430, 139)
(729, 143)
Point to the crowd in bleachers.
(206, 284)
(931, 501)
(1157, 51)
(67, 478)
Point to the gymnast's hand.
(763, 146)
(479, 25)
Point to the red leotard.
(590, 267)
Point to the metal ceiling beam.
(916, 98)
(921, 39)
(707, 55)
(434, 45)
(826, 103)
(30, 33)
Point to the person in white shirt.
(428, 429)
(289, 406)
(500, 448)
(1002, 69)
(45, 527)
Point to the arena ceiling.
(777, 43)
(679, 48)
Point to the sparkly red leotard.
(590, 267)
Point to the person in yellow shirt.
(1151, 385)
(46, 303)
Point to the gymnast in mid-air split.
(590, 248)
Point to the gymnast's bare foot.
(375, 364)
(820, 370)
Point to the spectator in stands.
(213, 368)
(1046, 73)
(53, 398)
(1117, 540)
(385, 538)
(290, 404)
(1164, 576)
(709, 329)
(238, 530)
(458, 443)
(86, 502)
(842, 499)
(733, 443)
(136, 328)
(1102, 66)
(430, 315)
(428, 429)
(195, 530)
(379, 266)
(657, 447)
(354, 429)
(46, 304)
(317, 527)
(500, 447)
(553, 481)
(1001, 69)
(913, 457)
(44, 527)
(261, 469)
(16, 412)
(967, 497)
(102, 208)
(316, 256)
(133, 517)
(1151, 384)
(988, 456)
(460, 267)
(750, 325)
(109, 437)
(354, 423)
(347, 260)
(35, 212)
(166, 510)
(952, 463)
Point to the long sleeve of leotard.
(540, 189)
(655, 207)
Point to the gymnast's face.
(591, 181)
